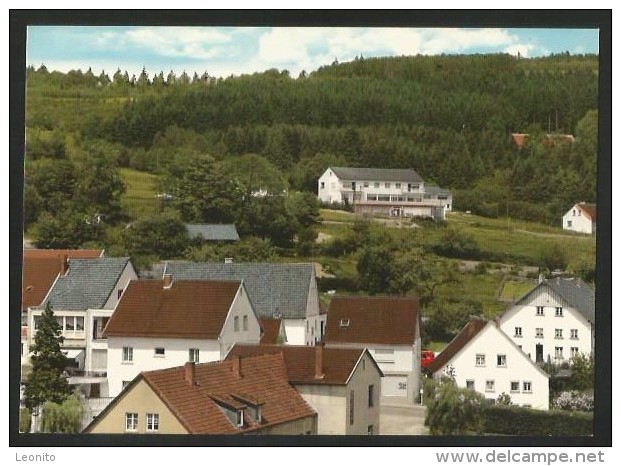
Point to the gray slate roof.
(377, 174)
(88, 283)
(212, 232)
(576, 293)
(272, 288)
(435, 190)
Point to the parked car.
(426, 356)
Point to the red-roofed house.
(238, 396)
(483, 358)
(341, 384)
(273, 331)
(582, 218)
(389, 327)
(164, 323)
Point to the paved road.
(398, 419)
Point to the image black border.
(19, 20)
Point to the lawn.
(139, 199)
(513, 290)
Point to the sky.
(225, 51)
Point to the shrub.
(454, 411)
(25, 419)
(574, 401)
(65, 418)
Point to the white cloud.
(524, 50)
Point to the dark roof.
(187, 309)
(273, 289)
(212, 232)
(573, 291)
(42, 266)
(338, 364)
(589, 209)
(385, 320)
(470, 330)
(199, 407)
(377, 174)
(88, 283)
(271, 330)
(436, 190)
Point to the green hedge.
(511, 420)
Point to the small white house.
(164, 323)
(388, 327)
(554, 321)
(393, 192)
(582, 218)
(482, 358)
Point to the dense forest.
(450, 118)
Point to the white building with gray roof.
(384, 191)
(288, 291)
(554, 321)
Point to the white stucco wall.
(491, 342)
(525, 316)
(128, 274)
(330, 403)
(241, 307)
(331, 192)
(144, 358)
(579, 221)
(296, 331)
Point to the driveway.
(400, 418)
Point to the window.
(153, 422)
(574, 333)
(558, 352)
(343, 323)
(518, 331)
(376, 184)
(322, 185)
(245, 323)
(37, 321)
(480, 361)
(194, 355)
(370, 429)
(236, 323)
(386, 185)
(539, 310)
(240, 418)
(515, 387)
(160, 352)
(539, 332)
(490, 385)
(131, 422)
(501, 360)
(403, 385)
(371, 390)
(366, 184)
(558, 333)
(527, 387)
(470, 384)
(128, 354)
(559, 312)
(397, 185)
(79, 323)
(351, 407)
(69, 325)
(573, 351)
(568, 223)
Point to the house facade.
(483, 358)
(554, 322)
(341, 385)
(392, 192)
(581, 218)
(238, 396)
(281, 291)
(88, 291)
(389, 328)
(165, 323)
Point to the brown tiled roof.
(42, 266)
(385, 320)
(589, 209)
(197, 406)
(187, 309)
(337, 363)
(471, 329)
(519, 139)
(271, 330)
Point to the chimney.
(190, 373)
(237, 367)
(319, 361)
(64, 264)
(540, 278)
(167, 280)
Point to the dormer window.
(240, 418)
(344, 323)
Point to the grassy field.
(139, 199)
(513, 290)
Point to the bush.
(574, 401)
(337, 283)
(535, 423)
(454, 411)
(65, 418)
(25, 419)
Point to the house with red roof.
(582, 217)
(166, 323)
(389, 327)
(483, 358)
(274, 332)
(242, 395)
(341, 384)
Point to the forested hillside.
(450, 118)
